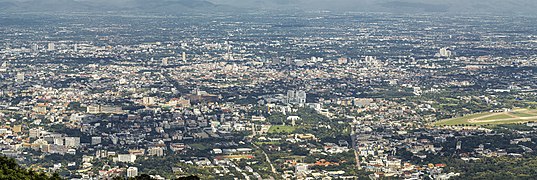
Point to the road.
(267, 159)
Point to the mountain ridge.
(520, 7)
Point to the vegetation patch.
(281, 129)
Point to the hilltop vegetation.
(9, 169)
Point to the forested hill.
(9, 169)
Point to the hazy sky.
(471, 6)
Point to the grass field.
(488, 118)
(281, 129)
(496, 117)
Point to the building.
(20, 77)
(132, 172)
(93, 109)
(156, 151)
(98, 109)
(293, 119)
(342, 60)
(72, 142)
(59, 141)
(445, 52)
(296, 97)
(184, 56)
(51, 46)
(148, 101)
(110, 109)
(126, 158)
(40, 108)
(17, 128)
(96, 140)
(35, 48)
(164, 61)
(35, 133)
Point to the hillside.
(9, 169)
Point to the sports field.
(515, 116)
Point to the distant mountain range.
(408, 6)
(154, 6)
(523, 7)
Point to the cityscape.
(264, 95)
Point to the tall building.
(51, 46)
(184, 57)
(445, 52)
(156, 151)
(301, 97)
(296, 97)
(132, 172)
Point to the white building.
(148, 101)
(72, 142)
(445, 52)
(156, 151)
(51, 46)
(132, 172)
(96, 140)
(126, 158)
(20, 77)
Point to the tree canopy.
(10, 170)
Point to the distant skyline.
(504, 7)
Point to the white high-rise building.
(184, 56)
(51, 46)
(445, 52)
(132, 172)
(156, 151)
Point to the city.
(317, 95)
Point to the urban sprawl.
(261, 96)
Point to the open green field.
(496, 117)
(281, 129)
(488, 118)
